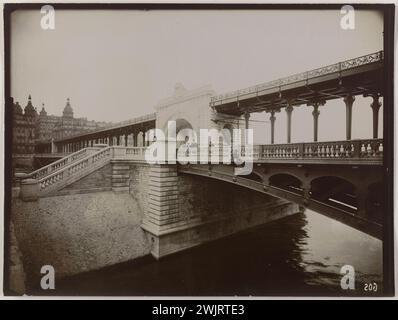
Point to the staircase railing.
(61, 163)
(72, 172)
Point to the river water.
(295, 256)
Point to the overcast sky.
(116, 65)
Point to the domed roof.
(29, 109)
(68, 111)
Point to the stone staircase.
(61, 163)
(50, 179)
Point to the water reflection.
(298, 255)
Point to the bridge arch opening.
(335, 191)
(287, 182)
(254, 176)
(184, 132)
(182, 124)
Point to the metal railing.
(303, 76)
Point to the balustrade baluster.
(381, 148)
(363, 149)
(369, 150)
(342, 151)
(301, 150)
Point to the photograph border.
(388, 109)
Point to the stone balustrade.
(61, 163)
(351, 149)
(75, 166)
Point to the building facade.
(31, 128)
(24, 128)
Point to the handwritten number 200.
(370, 287)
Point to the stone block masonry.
(120, 176)
(98, 180)
(185, 210)
(163, 207)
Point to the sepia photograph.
(192, 150)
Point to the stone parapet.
(29, 190)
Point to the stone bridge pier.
(184, 211)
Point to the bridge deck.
(356, 76)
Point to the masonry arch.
(254, 176)
(286, 181)
(183, 128)
(182, 119)
(334, 191)
(184, 131)
(343, 203)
